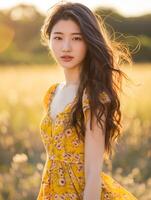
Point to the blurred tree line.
(20, 35)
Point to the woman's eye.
(57, 37)
(78, 38)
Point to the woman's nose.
(66, 45)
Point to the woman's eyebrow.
(71, 33)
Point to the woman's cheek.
(55, 49)
(83, 51)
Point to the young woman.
(83, 115)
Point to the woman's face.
(66, 39)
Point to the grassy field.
(22, 154)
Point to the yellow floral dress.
(63, 174)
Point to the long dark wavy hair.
(101, 69)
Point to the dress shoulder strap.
(103, 97)
(49, 93)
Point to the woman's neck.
(72, 76)
(70, 84)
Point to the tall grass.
(22, 154)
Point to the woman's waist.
(67, 157)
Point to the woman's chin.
(67, 65)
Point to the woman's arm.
(94, 149)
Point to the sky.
(124, 7)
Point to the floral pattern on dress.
(63, 173)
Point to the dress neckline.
(52, 94)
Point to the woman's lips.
(66, 58)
